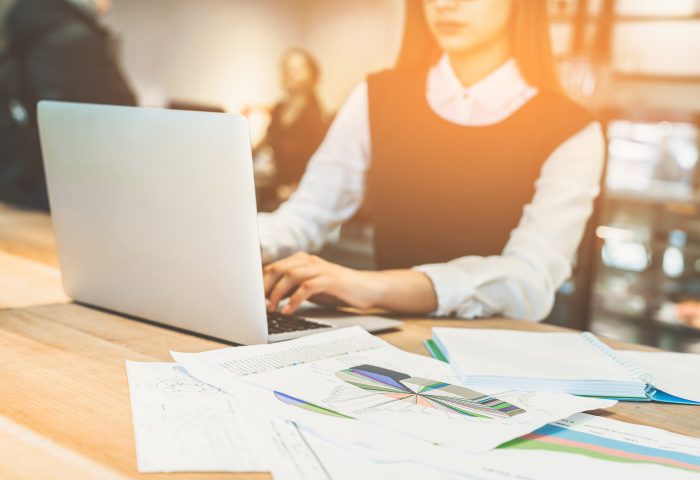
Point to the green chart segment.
(553, 438)
(297, 402)
(427, 393)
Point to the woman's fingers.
(306, 290)
(273, 272)
(304, 276)
(291, 279)
(271, 275)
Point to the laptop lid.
(154, 215)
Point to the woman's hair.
(310, 61)
(532, 47)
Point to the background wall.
(225, 52)
(351, 38)
(211, 51)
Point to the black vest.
(437, 190)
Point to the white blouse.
(538, 258)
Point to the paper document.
(674, 373)
(354, 374)
(183, 425)
(580, 447)
(318, 445)
(485, 354)
(585, 446)
(575, 363)
(286, 448)
(368, 448)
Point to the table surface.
(64, 397)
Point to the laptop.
(154, 214)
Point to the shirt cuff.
(271, 248)
(454, 290)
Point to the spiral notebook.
(575, 363)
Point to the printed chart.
(367, 379)
(555, 438)
(601, 447)
(397, 386)
(297, 402)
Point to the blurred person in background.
(54, 50)
(480, 174)
(297, 123)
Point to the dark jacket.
(293, 145)
(66, 54)
(60, 53)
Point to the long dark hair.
(532, 46)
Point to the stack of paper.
(575, 363)
(355, 374)
(344, 404)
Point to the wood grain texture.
(27, 233)
(20, 443)
(25, 282)
(65, 381)
(64, 397)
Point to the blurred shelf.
(665, 285)
(630, 18)
(653, 197)
(655, 78)
(647, 322)
(633, 77)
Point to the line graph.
(393, 386)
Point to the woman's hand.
(302, 276)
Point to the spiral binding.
(632, 368)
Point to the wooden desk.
(25, 282)
(28, 263)
(64, 398)
(27, 233)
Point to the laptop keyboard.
(279, 323)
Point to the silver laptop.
(154, 215)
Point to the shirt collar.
(497, 89)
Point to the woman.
(297, 125)
(479, 172)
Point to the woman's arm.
(302, 276)
(538, 258)
(331, 189)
